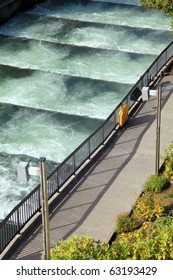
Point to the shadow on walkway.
(81, 197)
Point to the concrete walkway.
(113, 183)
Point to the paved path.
(115, 181)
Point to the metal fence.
(30, 205)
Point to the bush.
(168, 153)
(148, 207)
(153, 241)
(80, 248)
(168, 161)
(126, 223)
(155, 183)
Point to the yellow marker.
(123, 114)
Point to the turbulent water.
(63, 69)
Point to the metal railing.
(30, 205)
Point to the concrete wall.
(10, 7)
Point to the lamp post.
(158, 124)
(24, 172)
(45, 209)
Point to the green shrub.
(80, 248)
(148, 207)
(168, 153)
(171, 195)
(153, 241)
(168, 161)
(126, 223)
(155, 183)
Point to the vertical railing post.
(45, 210)
(57, 180)
(74, 164)
(18, 223)
(115, 118)
(89, 147)
(103, 133)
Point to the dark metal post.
(18, 220)
(45, 209)
(158, 120)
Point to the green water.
(63, 69)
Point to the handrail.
(30, 205)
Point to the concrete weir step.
(113, 183)
(61, 76)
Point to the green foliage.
(148, 207)
(145, 235)
(166, 6)
(171, 195)
(126, 223)
(80, 248)
(153, 241)
(168, 153)
(155, 183)
(168, 161)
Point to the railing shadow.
(110, 175)
(71, 165)
(76, 202)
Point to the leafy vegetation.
(166, 6)
(153, 241)
(80, 248)
(148, 207)
(156, 183)
(168, 162)
(145, 234)
(127, 223)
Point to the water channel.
(63, 68)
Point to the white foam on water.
(81, 98)
(34, 133)
(96, 11)
(87, 34)
(41, 134)
(81, 62)
(11, 190)
(109, 38)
